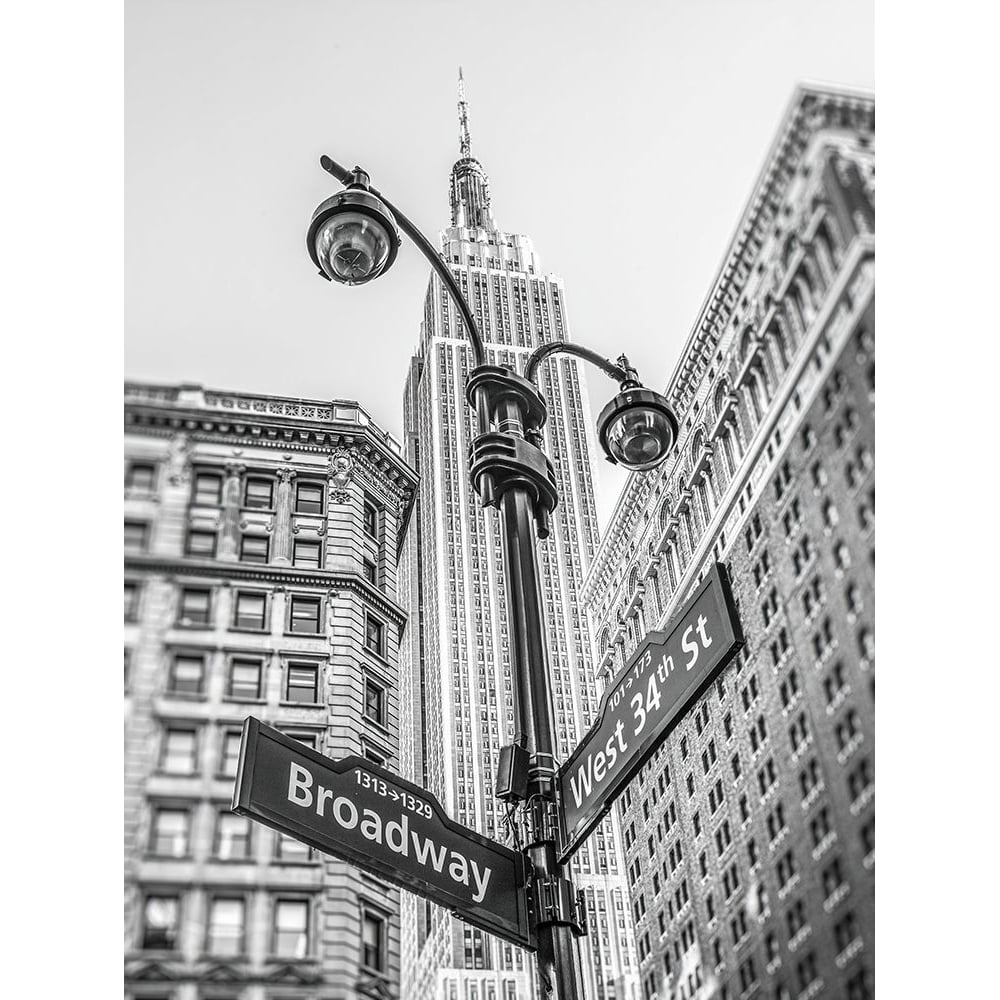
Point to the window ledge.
(849, 952)
(835, 897)
(824, 845)
(800, 936)
(238, 700)
(859, 804)
(813, 989)
(301, 704)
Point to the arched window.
(653, 593)
(720, 398)
(605, 641)
(697, 443)
(828, 237)
(687, 534)
(814, 277)
(806, 300)
(779, 338)
(633, 581)
(754, 396)
(746, 343)
(701, 488)
(672, 567)
(728, 461)
(791, 245)
(664, 513)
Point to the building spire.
(470, 187)
(465, 143)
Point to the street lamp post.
(353, 239)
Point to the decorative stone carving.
(229, 541)
(179, 462)
(341, 472)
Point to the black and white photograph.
(499, 500)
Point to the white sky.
(623, 138)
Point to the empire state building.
(455, 673)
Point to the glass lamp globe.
(637, 429)
(353, 237)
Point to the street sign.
(644, 702)
(362, 813)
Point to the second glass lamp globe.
(637, 429)
(352, 237)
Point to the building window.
(225, 927)
(251, 611)
(187, 673)
(303, 683)
(375, 635)
(244, 679)
(370, 519)
(368, 571)
(201, 543)
(159, 922)
(374, 702)
(254, 548)
(291, 928)
(304, 615)
(136, 536)
(232, 837)
(131, 600)
(169, 836)
(179, 754)
(308, 498)
(290, 850)
(195, 606)
(307, 554)
(259, 493)
(372, 941)
(141, 477)
(229, 758)
(207, 489)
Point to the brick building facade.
(749, 837)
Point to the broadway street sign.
(645, 702)
(360, 812)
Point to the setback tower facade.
(749, 838)
(261, 545)
(456, 685)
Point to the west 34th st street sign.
(360, 812)
(645, 702)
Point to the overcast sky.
(624, 138)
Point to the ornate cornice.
(308, 426)
(811, 110)
(283, 576)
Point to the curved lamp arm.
(622, 372)
(432, 255)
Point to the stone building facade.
(261, 544)
(456, 670)
(749, 837)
